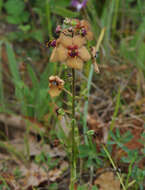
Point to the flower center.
(54, 83)
(73, 51)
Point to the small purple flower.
(78, 5)
(53, 43)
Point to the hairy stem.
(73, 157)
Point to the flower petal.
(65, 40)
(89, 35)
(85, 24)
(75, 63)
(84, 54)
(54, 56)
(79, 41)
(62, 53)
(96, 68)
(55, 85)
(54, 92)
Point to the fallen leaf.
(107, 181)
(33, 176)
(56, 173)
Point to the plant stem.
(73, 157)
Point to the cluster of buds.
(70, 47)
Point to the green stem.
(1, 5)
(73, 157)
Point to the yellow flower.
(71, 50)
(70, 46)
(86, 25)
(55, 85)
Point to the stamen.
(83, 32)
(53, 43)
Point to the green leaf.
(84, 151)
(118, 133)
(50, 69)
(111, 142)
(53, 186)
(1, 5)
(37, 35)
(32, 76)
(18, 19)
(94, 188)
(13, 19)
(64, 12)
(24, 16)
(62, 3)
(16, 77)
(127, 137)
(113, 136)
(125, 160)
(1, 83)
(14, 7)
(42, 102)
(82, 187)
(25, 28)
(12, 62)
(40, 158)
(141, 55)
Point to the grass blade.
(1, 84)
(12, 62)
(19, 85)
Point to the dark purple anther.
(73, 53)
(83, 32)
(53, 43)
(78, 5)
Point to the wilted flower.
(71, 44)
(22, 68)
(55, 85)
(78, 5)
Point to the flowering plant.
(71, 49)
(78, 5)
